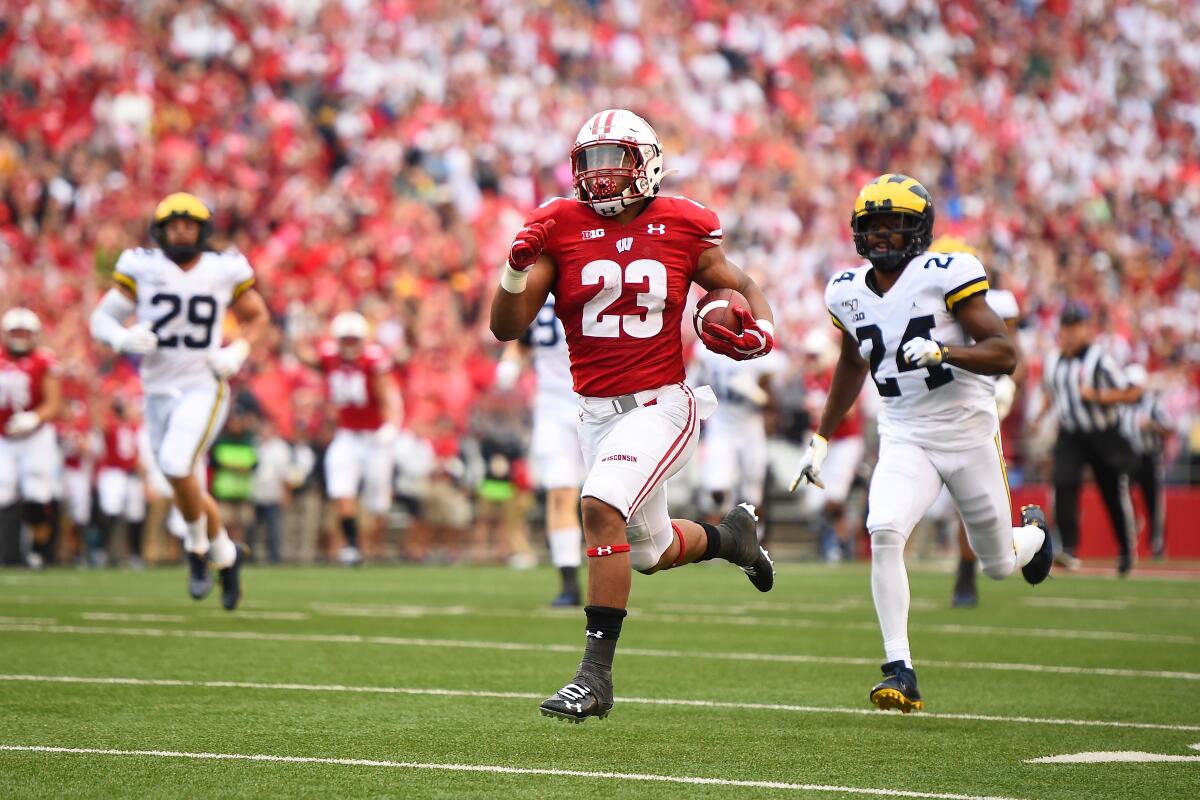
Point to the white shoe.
(350, 556)
(34, 561)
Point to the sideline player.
(554, 450)
(919, 323)
(1004, 303)
(361, 454)
(119, 485)
(30, 400)
(178, 294)
(620, 260)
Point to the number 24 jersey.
(185, 309)
(941, 407)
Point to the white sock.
(196, 538)
(566, 547)
(889, 588)
(223, 552)
(1026, 542)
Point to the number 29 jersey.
(621, 289)
(941, 407)
(185, 309)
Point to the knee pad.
(887, 540)
(35, 513)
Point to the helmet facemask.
(609, 176)
(876, 243)
(181, 253)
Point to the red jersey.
(73, 435)
(351, 385)
(621, 289)
(21, 379)
(816, 390)
(120, 446)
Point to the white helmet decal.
(616, 146)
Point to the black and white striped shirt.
(1091, 367)
(1134, 418)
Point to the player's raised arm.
(525, 283)
(992, 354)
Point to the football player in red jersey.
(119, 484)
(620, 260)
(360, 386)
(30, 398)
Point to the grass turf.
(700, 634)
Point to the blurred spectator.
(270, 490)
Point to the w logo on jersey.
(625, 245)
(657, 230)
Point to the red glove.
(752, 342)
(528, 245)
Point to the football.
(716, 308)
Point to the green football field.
(424, 682)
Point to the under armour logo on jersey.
(658, 230)
(595, 634)
(625, 245)
(595, 233)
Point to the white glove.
(1006, 392)
(22, 423)
(923, 352)
(810, 466)
(229, 359)
(136, 339)
(507, 372)
(386, 434)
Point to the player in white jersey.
(943, 512)
(919, 323)
(555, 451)
(733, 456)
(178, 294)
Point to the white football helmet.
(15, 321)
(349, 325)
(617, 160)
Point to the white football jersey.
(186, 309)
(940, 407)
(551, 359)
(730, 380)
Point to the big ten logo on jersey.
(201, 316)
(613, 278)
(546, 326)
(595, 233)
(348, 387)
(14, 389)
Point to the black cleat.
(898, 689)
(740, 525)
(566, 599)
(966, 595)
(200, 581)
(585, 696)
(1039, 566)
(231, 579)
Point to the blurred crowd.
(380, 155)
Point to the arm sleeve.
(241, 275)
(108, 318)
(831, 303)
(125, 272)
(964, 277)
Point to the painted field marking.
(784, 658)
(106, 616)
(501, 770)
(652, 701)
(1115, 757)
(27, 620)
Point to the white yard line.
(784, 658)
(501, 770)
(653, 701)
(106, 616)
(27, 620)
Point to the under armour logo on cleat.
(577, 706)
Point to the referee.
(1087, 389)
(1144, 425)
